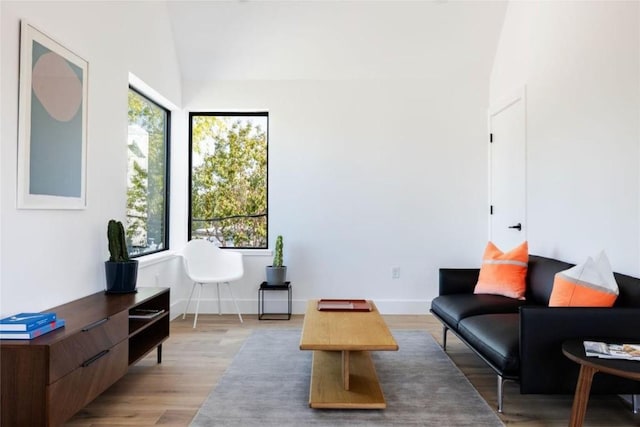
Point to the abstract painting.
(52, 138)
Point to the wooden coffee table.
(343, 375)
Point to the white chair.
(205, 263)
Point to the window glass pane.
(229, 179)
(148, 142)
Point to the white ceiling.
(320, 40)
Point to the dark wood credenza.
(47, 380)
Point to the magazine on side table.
(612, 351)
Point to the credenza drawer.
(71, 393)
(101, 335)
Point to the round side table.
(589, 366)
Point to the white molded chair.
(205, 263)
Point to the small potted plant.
(277, 273)
(121, 272)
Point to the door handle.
(518, 226)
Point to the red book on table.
(344, 305)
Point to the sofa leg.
(635, 403)
(444, 337)
(500, 391)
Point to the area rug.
(267, 384)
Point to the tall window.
(148, 176)
(228, 182)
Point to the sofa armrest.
(543, 366)
(458, 280)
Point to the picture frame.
(52, 124)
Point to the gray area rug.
(267, 384)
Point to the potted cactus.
(121, 272)
(277, 273)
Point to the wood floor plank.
(193, 361)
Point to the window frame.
(255, 113)
(167, 171)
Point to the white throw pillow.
(590, 284)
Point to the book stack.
(27, 326)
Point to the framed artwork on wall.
(52, 124)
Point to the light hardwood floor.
(170, 394)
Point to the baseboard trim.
(299, 306)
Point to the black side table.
(267, 288)
(589, 366)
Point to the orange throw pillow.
(504, 273)
(590, 284)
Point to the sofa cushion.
(540, 276)
(453, 308)
(497, 338)
(503, 273)
(629, 288)
(589, 284)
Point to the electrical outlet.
(395, 272)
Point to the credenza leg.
(159, 353)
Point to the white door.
(507, 173)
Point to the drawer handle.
(94, 358)
(95, 324)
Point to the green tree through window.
(229, 178)
(147, 201)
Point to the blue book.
(34, 333)
(25, 321)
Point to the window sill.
(254, 252)
(145, 261)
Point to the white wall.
(51, 257)
(377, 137)
(579, 62)
(376, 165)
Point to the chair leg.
(635, 403)
(195, 319)
(219, 306)
(184, 315)
(234, 302)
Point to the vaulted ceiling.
(264, 40)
